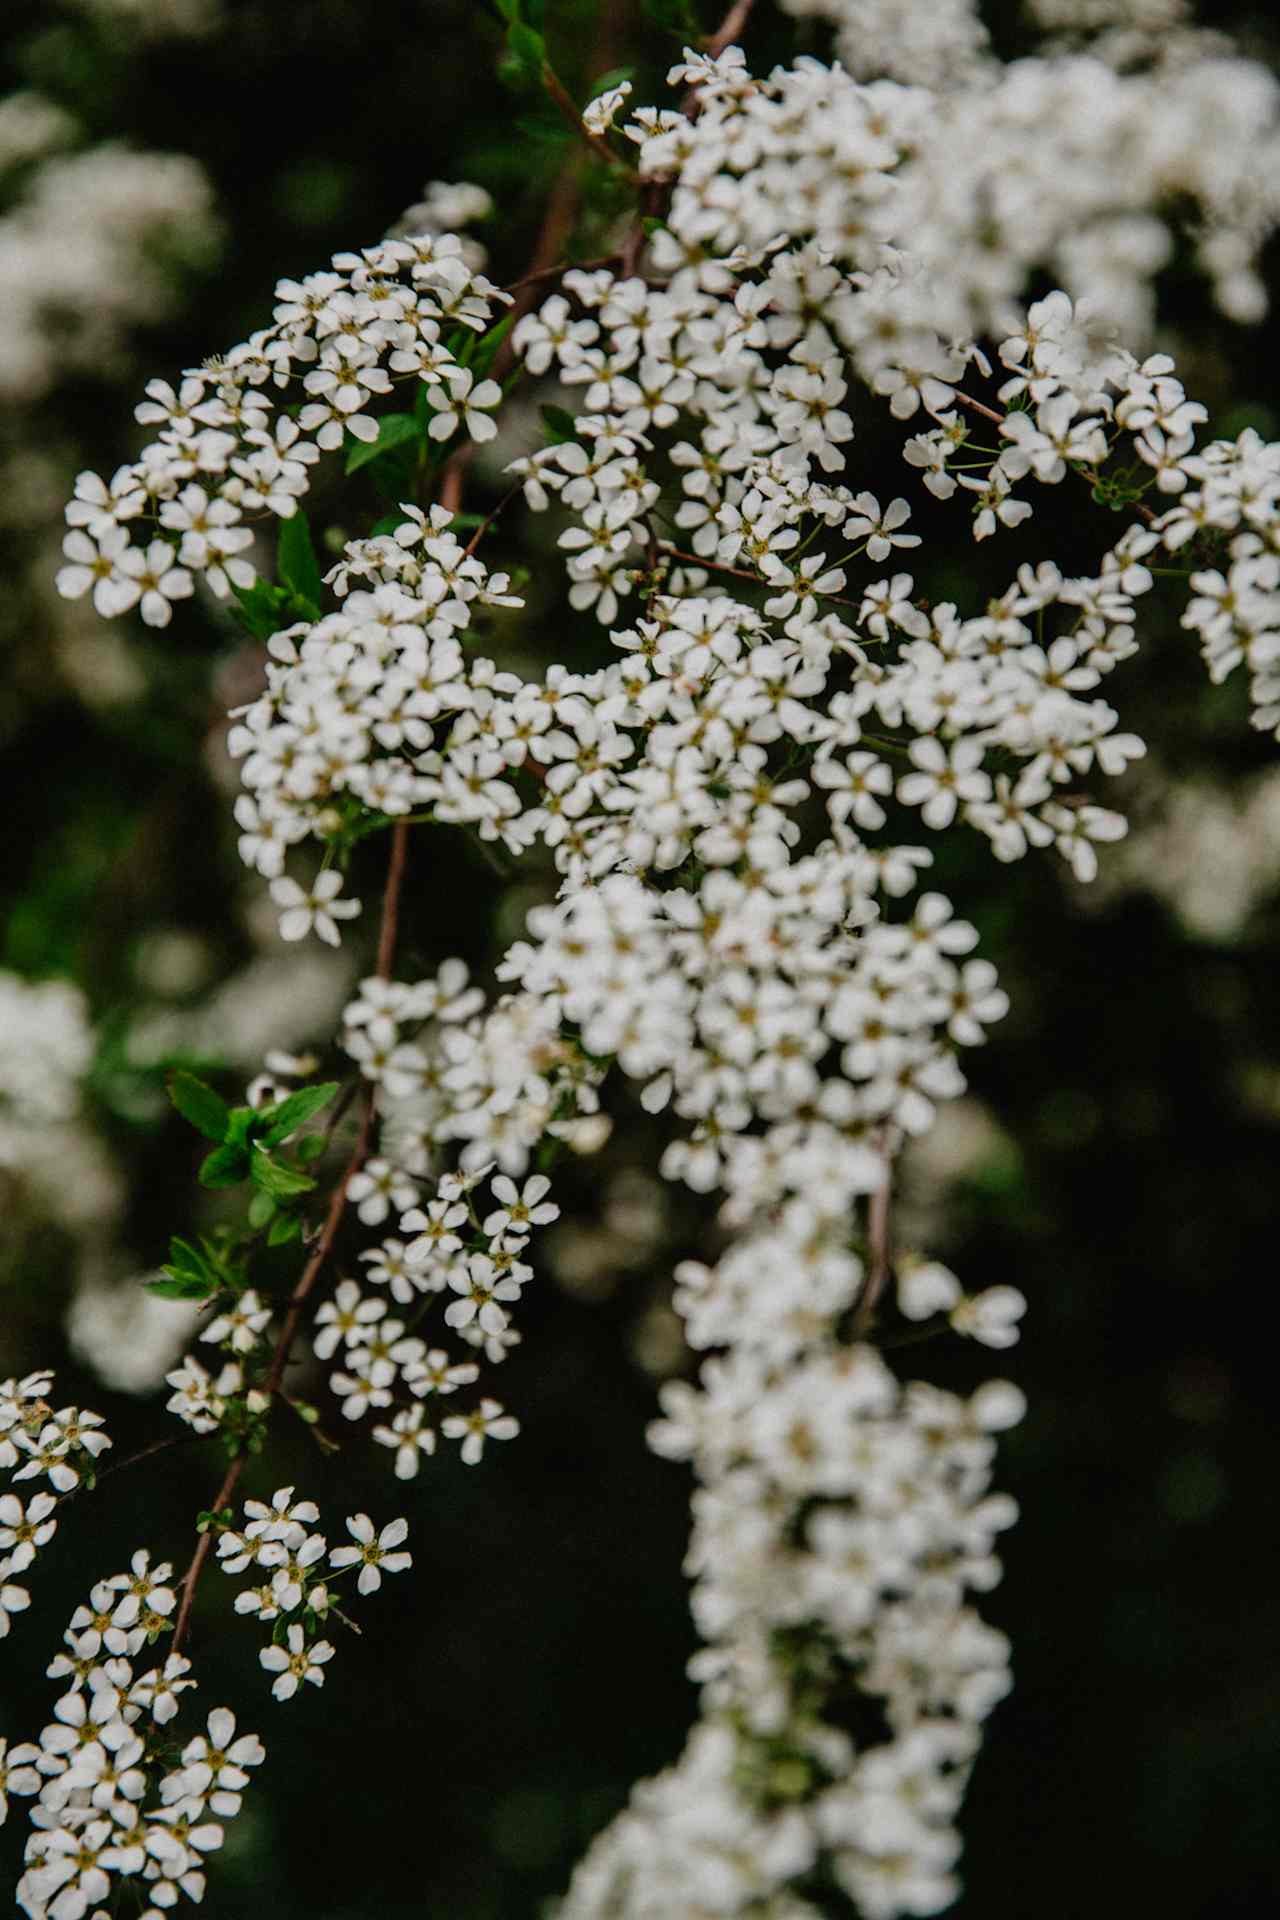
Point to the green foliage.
(296, 563)
(197, 1272)
(486, 350)
(273, 1177)
(559, 425)
(245, 1137)
(675, 17)
(293, 1112)
(262, 608)
(207, 1111)
(394, 430)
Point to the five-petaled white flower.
(373, 1555)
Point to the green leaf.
(285, 1227)
(614, 78)
(487, 350)
(225, 1167)
(296, 1111)
(273, 1177)
(388, 524)
(527, 49)
(180, 1286)
(394, 429)
(560, 425)
(675, 17)
(261, 1209)
(311, 1147)
(296, 562)
(241, 1126)
(207, 1111)
(261, 608)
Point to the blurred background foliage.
(1115, 1158)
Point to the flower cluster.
(299, 1566)
(228, 454)
(118, 1796)
(37, 1442)
(729, 799)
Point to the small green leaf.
(388, 524)
(241, 1126)
(224, 1167)
(206, 1110)
(560, 425)
(675, 17)
(262, 608)
(487, 350)
(261, 1209)
(311, 1147)
(614, 78)
(273, 1177)
(173, 1285)
(296, 562)
(285, 1227)
(394, 429)
(296, 1111)
(527, 48)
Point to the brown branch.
(391, 899)
(729, 29)
(204, 1546)
(492, 515)
(600, 147)
(553, 237)
(320, 1251)
(561, 266)
(978, 406)
(755, 579)
(878, 1243)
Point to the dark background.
(507, 1692)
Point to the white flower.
(519, 1211)
(991, 1317)
(23, 1530)
(599, 114)
(150, 581)
(295, 1662)
(373, 1556)
(488, 1422)
(468, 404)
(944, 779)
(319, 909)
(925, 1287)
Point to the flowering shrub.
(738, 799)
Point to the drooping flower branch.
(739, 927)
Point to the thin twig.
(491, 516)
(756, 579)
(204, 1546)
(600, 147)
(879, 1246)
(561, 266)
(145, 1453)
(729, 29)
(978, 406)
(320, 1251)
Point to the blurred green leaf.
(198, 1103)
(292, 1113)
(273, 1177)
(394, 430)
(296, 562)
(226, 1167)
